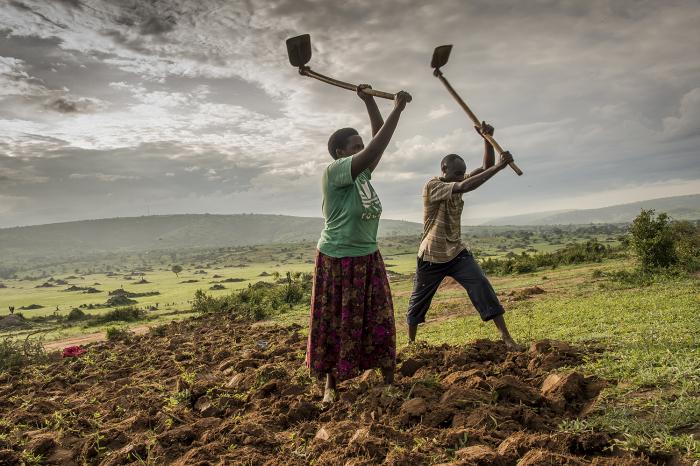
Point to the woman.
(352, 314)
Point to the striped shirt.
(442, 216)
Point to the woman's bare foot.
(329, 395)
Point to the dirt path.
(56, 345)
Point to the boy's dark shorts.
(466, 271)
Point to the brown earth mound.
(31, 307)
(119, 300)
(524, 293)
(13, 321)
(220, 391)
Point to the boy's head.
(453, 168)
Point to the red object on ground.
(72, 351)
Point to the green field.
(642, 338)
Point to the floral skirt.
(352, 317)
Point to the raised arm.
(473, 182)
(489, 155)
(375, 117)
(371, 155)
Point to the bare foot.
(512, 345)
(328, 395)
(388, 376)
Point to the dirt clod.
(472, 404)
(477, 455)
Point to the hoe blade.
(299, 50)
(440, 56)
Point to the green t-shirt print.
(351, 211)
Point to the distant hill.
(133, 234)
(678, 207)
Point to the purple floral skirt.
(352, 317)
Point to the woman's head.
(344, 143)
(453, 168)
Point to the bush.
(120, 314)
(686, 241)
(575, 253)
(259, 300)
(15, 354)
(75, 314)
(119, 334)
(651, 238)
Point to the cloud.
(11, 176)
(439, 112)
(102, 177)
(687, 123)
(588, 96)
(15, 81)
(64, 104)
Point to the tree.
(176, 270)
(686, 241)
(651, 239)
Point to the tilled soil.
(215, 390)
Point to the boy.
(442, 252)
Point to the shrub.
(15, 354)
(120, 314)
(75, 314)
(651, 238)
(119, 334)
(686, 239)
(259, 300)
(575, 253)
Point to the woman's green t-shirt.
(351, 210)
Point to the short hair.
(449, 158)
(339, 139)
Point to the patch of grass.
(651, 337)
(121, 314)
(119, 334)
(260, 300)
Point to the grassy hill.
(133, 234)
(678, 207)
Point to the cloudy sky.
(129, 107)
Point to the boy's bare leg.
(412, 330)
(329, 391)
(505, 335)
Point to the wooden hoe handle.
(306, 71)
(476, 121)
